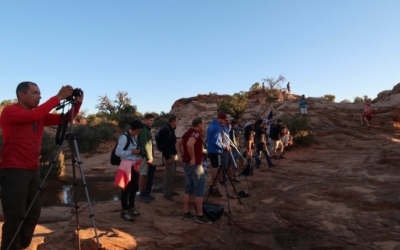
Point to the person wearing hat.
(366, 115)
(303, 106)
(216, 145)
(127, 177)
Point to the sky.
(161, 51)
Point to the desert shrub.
(345, 101)
(125, 119)
(187, 100)
(330, 97)
(300, 130)
(161, 119)
(47, 154)
(272, 95)
(90, 137)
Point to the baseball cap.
(222, 116)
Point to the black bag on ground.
(213, 211)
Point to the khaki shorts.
(144, 168)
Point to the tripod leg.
(75, 184)
(212, 185)
(36, 195)
(76, 150)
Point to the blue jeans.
(258, 161)
(195, 180)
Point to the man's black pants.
(18, 188)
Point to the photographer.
(127, 174)
(22, 125)
(260, 140)
(249, 139)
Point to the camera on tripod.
(75, 92)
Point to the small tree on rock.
(330, 97)
(274, 84)
(235, 105)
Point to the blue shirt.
(126, 154)
(214, 138)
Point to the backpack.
(274, 132)
(212, 211)
(114, 159)
(248, 170)
(157, 137)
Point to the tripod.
(233, 158)
(226, 187)
(75, 153)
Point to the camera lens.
(76, 92)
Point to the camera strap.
(62, 128)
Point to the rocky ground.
(340, 193)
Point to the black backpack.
(114, 159)
(158, 139)
(213, 211)
(274, 132)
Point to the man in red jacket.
(22, 127)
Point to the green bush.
(47, 154)
(126, 119)
(300, 130)
(90, 137)
(330, 97)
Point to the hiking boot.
(272, 165)
(215, 192)
(134, 212)
(202, 220)
(188, 215)
(150, 197)
(235, 181)
(175, 194)
(143, 198)
(127, 216)
(168, 197)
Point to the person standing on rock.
(214, 150)
(168, 141)
(145, 143)
(366, 115)
(22, 130)
(303, 106)
(190, 150)
(127, 176)
(288, 87)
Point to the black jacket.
(168, 140)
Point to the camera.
(75, 92)
(141, 153)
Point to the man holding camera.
(22, 126)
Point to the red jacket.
(23, 131)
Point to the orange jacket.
(23, 131)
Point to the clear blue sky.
(160, 51)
